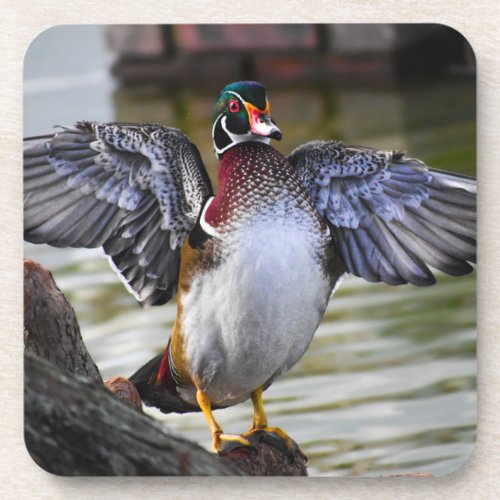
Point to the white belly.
(252, 318)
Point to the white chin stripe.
(237, 138)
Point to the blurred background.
(388, 384)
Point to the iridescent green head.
(241, 114)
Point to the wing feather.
(135, 190)
(391, 216)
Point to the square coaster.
(387, 383)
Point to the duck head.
(242, 114)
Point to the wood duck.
(254, 265)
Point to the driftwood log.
(76, 424)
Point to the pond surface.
(388, 384)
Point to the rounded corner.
(37, 37)
(471, 50)
(34, 460)
(465, 463)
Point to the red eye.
(234, 106)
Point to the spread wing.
(135, 190)
(391, 216)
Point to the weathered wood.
(51, 329)
(77, 425)
(125, 391)
(268, 457)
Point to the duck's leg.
(219, 438)
(260, 420)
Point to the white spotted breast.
(250, 317)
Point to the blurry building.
(278, 53)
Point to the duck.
(254, 264)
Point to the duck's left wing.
(134, 189)
(391, 216)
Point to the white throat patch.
(235, 138)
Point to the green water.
(388, 384)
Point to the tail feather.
(157, 387)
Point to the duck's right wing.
(135, 190)
(390, 216)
